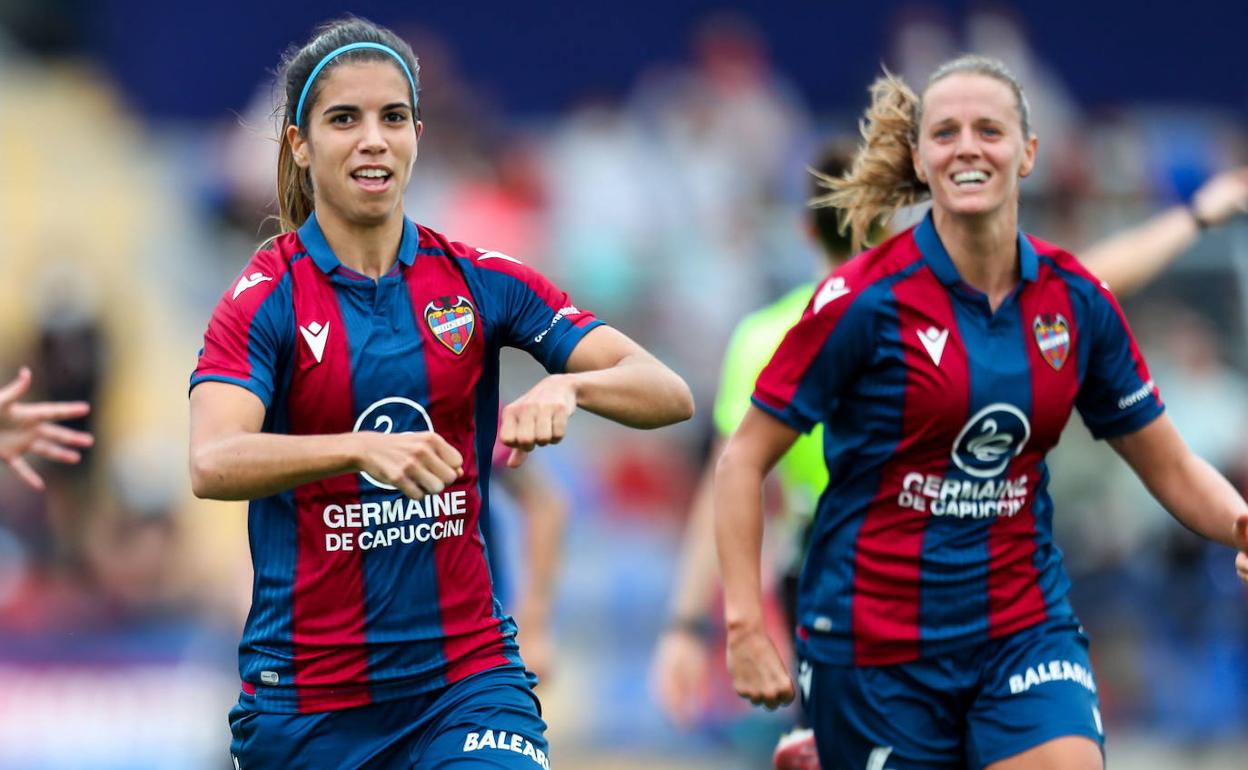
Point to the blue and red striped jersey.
(361, 594)
(935, 530)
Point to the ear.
(918, 167)
(299, 147)
(1029, 156)
(420, 129)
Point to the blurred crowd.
(670, 211)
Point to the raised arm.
(1128, 260)
(232, 460)
(1187, 486)
(545, 509)
(680, 671)
(754, 663)
(607, 374)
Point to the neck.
(984, 249)
(368, 249)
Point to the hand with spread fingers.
(537, 418)
(417, 464)
(758, 672)
(32, 429)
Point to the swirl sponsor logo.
(990, 439)
(395, 414)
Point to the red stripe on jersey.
(1015, 599)
(887, 559)
(472, 638)
(227, 342)
(330, 658)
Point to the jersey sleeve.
(1117, 395)
(244, 339)
(531, 312)
(818, 357)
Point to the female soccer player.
(348, 387)
(933, 621)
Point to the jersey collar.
(938, 259)
(313, 240)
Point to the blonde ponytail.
(881, 179)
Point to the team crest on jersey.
(452, 321)
(1053, 336)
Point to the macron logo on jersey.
(248, 281)
(315, 335)
(831, 291)
(934, 342)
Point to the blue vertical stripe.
(387, 362)
(272, 534)
(955, 549)
(860, 436)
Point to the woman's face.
(359, 141)
(971, 150)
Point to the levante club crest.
(1053, 336)
(452, 321)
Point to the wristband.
(699, 627)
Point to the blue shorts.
(963, 710)
(489, 721)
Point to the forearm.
(1131, 259)
(639, 392)
(247, 466)
(547, 515)
(1200, 498)
(696, 571)
(739, 540)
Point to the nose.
(372, 138)
(968, 143)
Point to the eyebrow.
(981, 119)
(356, 107)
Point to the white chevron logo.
(934, 341)
(316, 335)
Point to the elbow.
(205, 477)
(682, 406)
(201, 485)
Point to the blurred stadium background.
(649, 156)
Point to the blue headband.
(338, 52)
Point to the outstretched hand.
(31, 429)
(537, 418)
(1222, 197)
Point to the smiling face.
(359, 141)
(971, 150)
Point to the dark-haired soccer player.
(348, 387)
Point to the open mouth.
(372, 179)
(970, 179)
